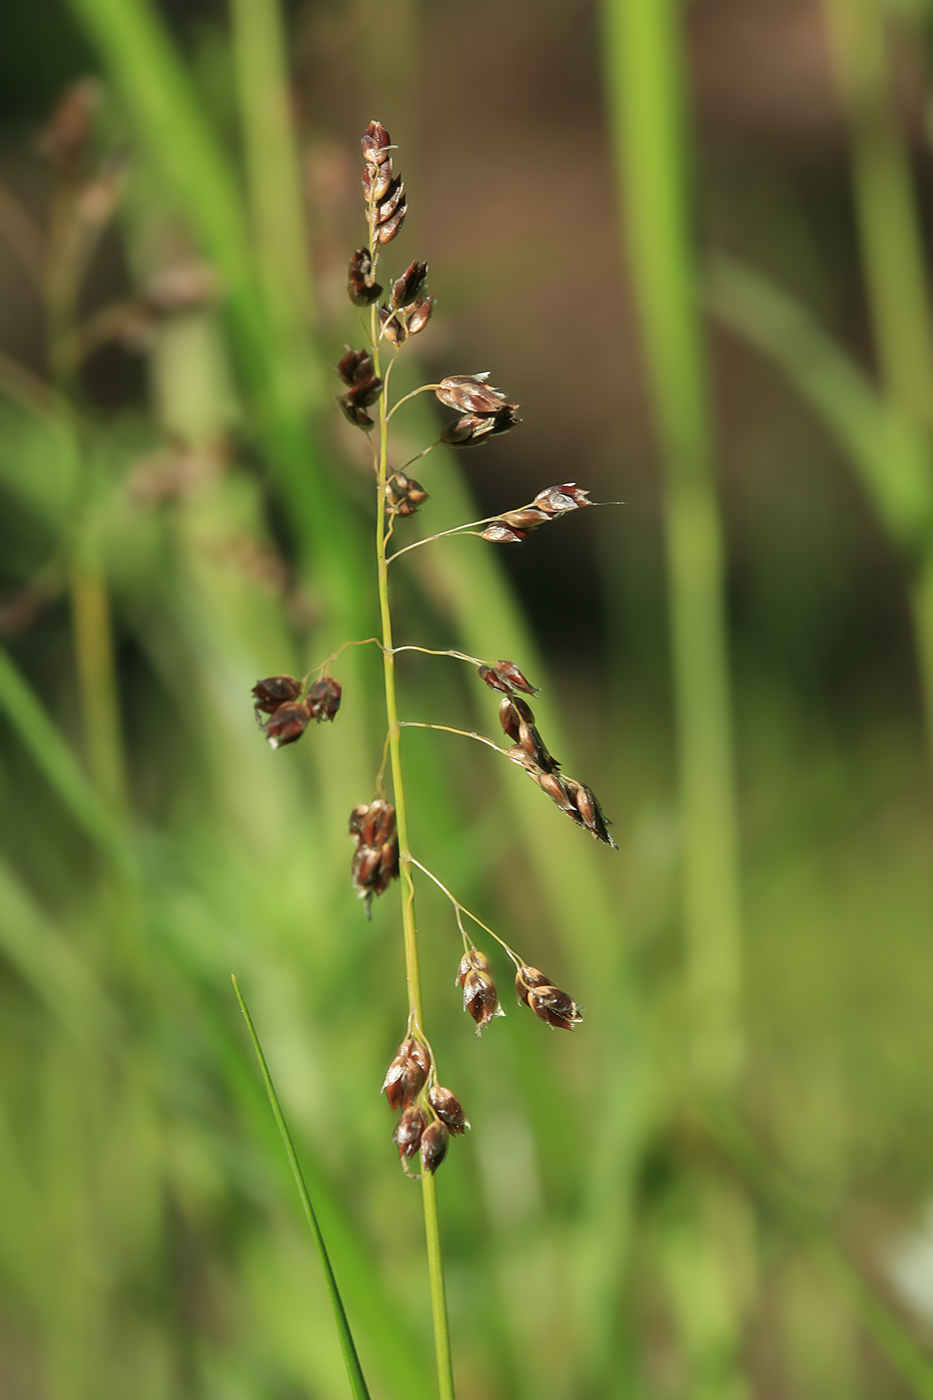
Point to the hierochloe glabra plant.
(429, 1112)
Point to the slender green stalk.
(56, 761)
(91, 615)
(886, 447)
(68, 250)
(279, 246)
(889, 230)
(160, 95)
(892, 251)
(921, 601)
(412, 963)
(643, 83)
(644, 87)
(347, 1345)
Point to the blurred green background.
(691, 240)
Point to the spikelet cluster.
(284, 714)
(428, 1113)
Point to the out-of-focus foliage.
(182, 510)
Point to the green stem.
(644, 86)
(892, 244)
(892, 252)
(93, 630)
(445, 1377)
(347, 1345)
(69, 249)
(278, 219)
(921, 599)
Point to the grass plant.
(703, 1197)
(431, 1113)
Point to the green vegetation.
(714, 1187)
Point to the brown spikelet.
(501, 533)
(384, 192)
(506, 677)
(480, 996)
(434, 1143)
(375, 860)
(407, 288)
(275, 691)
(404, 495)
(447, 1107)
(287, 723)
(407, 1074)
(408, 1132)
(548, 1002)
(362, 287)
(324, 698)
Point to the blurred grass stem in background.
(893, 260)
(644, 84)
(703, 1236)
(278, 216)
(158, 92)
(887, 448)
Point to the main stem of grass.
(445, 1377)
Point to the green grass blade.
(889, 227)
(173, 130)
(887, 451)
(273, 185)
(55, 759)
(348, 1347)
(644, 86)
